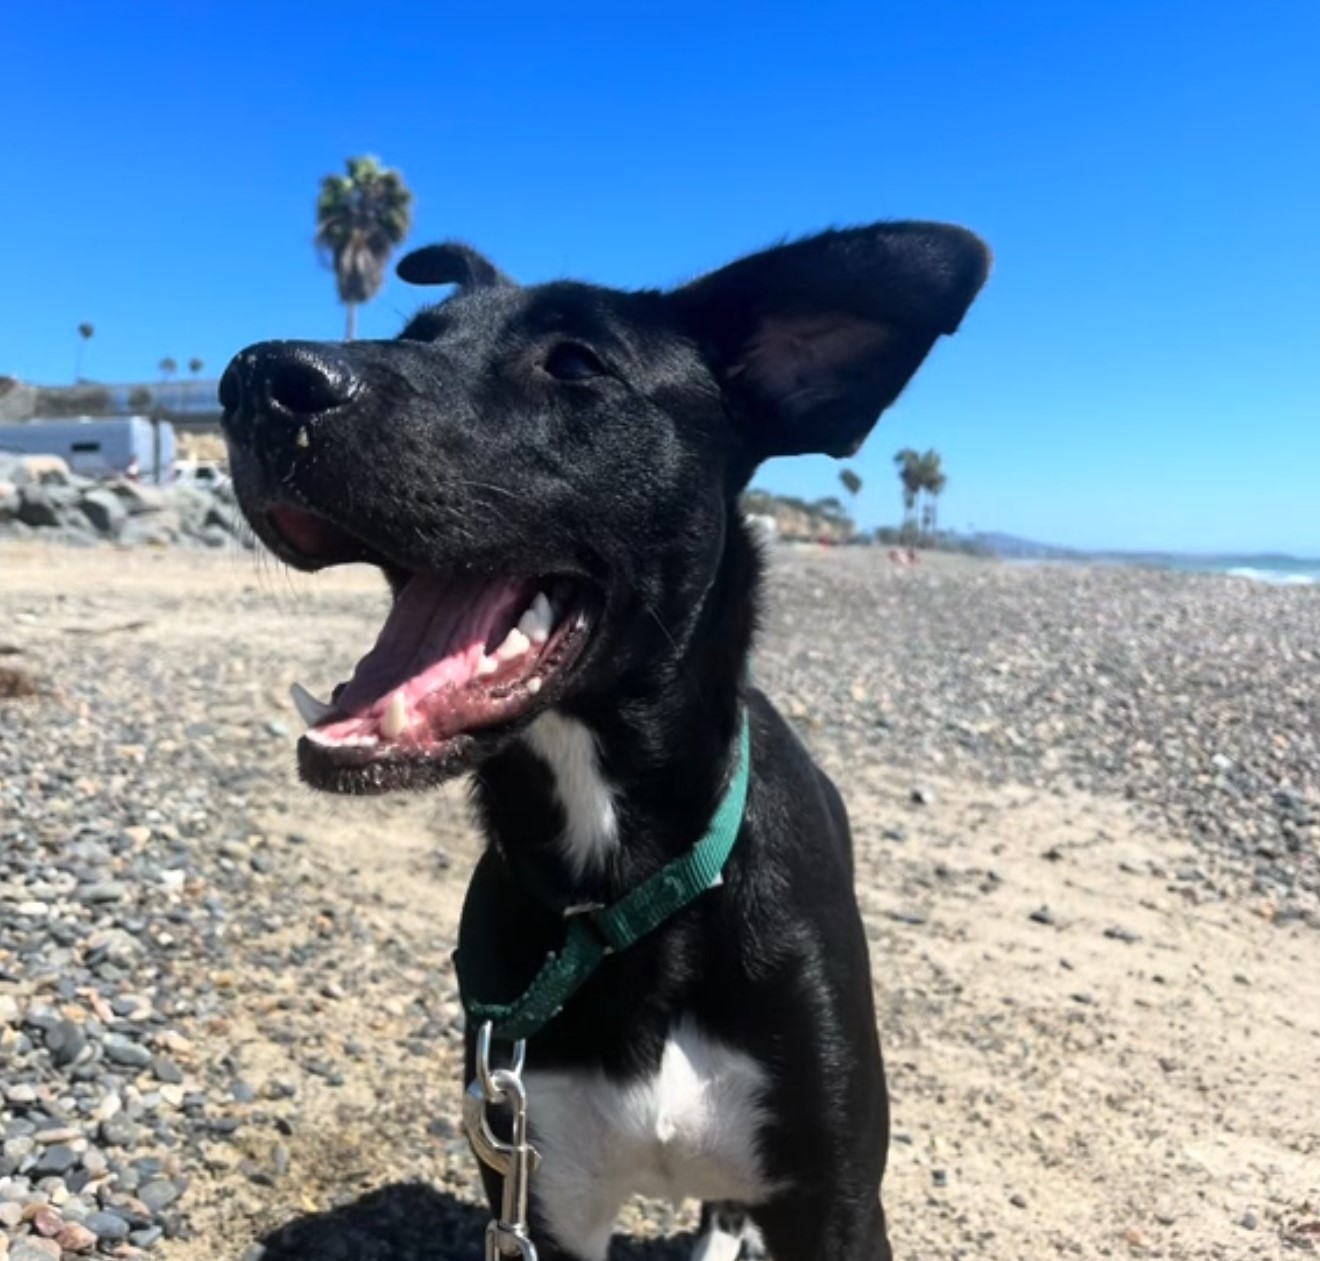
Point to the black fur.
(574, 430)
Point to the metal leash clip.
(515, 1161)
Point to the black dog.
(549, 479)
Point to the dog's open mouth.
(458, 656)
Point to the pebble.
(159, 1194)
(75, 1237)
(106, 1225)
(124, 1051)
(104, 891)
(32, 1248)
(119, 1131)
(55, 1161)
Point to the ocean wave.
(1276, 577)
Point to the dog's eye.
(571, 362)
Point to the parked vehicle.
(208, 474)
(132, 447)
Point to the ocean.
(1277, 570)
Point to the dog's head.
(548, 475)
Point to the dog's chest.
(690, 1129)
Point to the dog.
(549, 479)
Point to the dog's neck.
(601, 794)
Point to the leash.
(591, 935)
(595, 932)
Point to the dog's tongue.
(434, 636)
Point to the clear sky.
(1143, 369)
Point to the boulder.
(37, 506)
(105, 511)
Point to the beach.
(1086, 805)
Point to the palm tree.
(195, 366)
(933, 482)
(360, 218)
(910, 474)
(85, 334)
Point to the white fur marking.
(592, 828)
(718, 1244)
(688, 1131)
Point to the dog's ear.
(813, 340)
(450, 263)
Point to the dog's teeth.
(310, 710)
(487, 665)
(344, 742)
(395, 718)
(514, 645)
(539, 619)
(534, 686)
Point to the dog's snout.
(286, 379)
(307, 382)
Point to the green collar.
(593, 934)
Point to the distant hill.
(1010, 547)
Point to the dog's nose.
(284, 380)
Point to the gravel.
(1193, 696)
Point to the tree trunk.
(352, 321)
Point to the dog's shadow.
(409, 1221)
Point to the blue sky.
(1143, 369)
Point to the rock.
(54, 1161)
(66, 1044)
(105, 511)
(125, 1052)
(75, 1237)
(106, 1225)
(56, 1133)
(37, 507)
(159, 1194)
(119, 1131)
(1042, 915)
(165, 1070)
(922, 796)
(32, 1248)
(104, 891)
(47, 1222)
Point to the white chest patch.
(689, 1131)
(591, 830)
